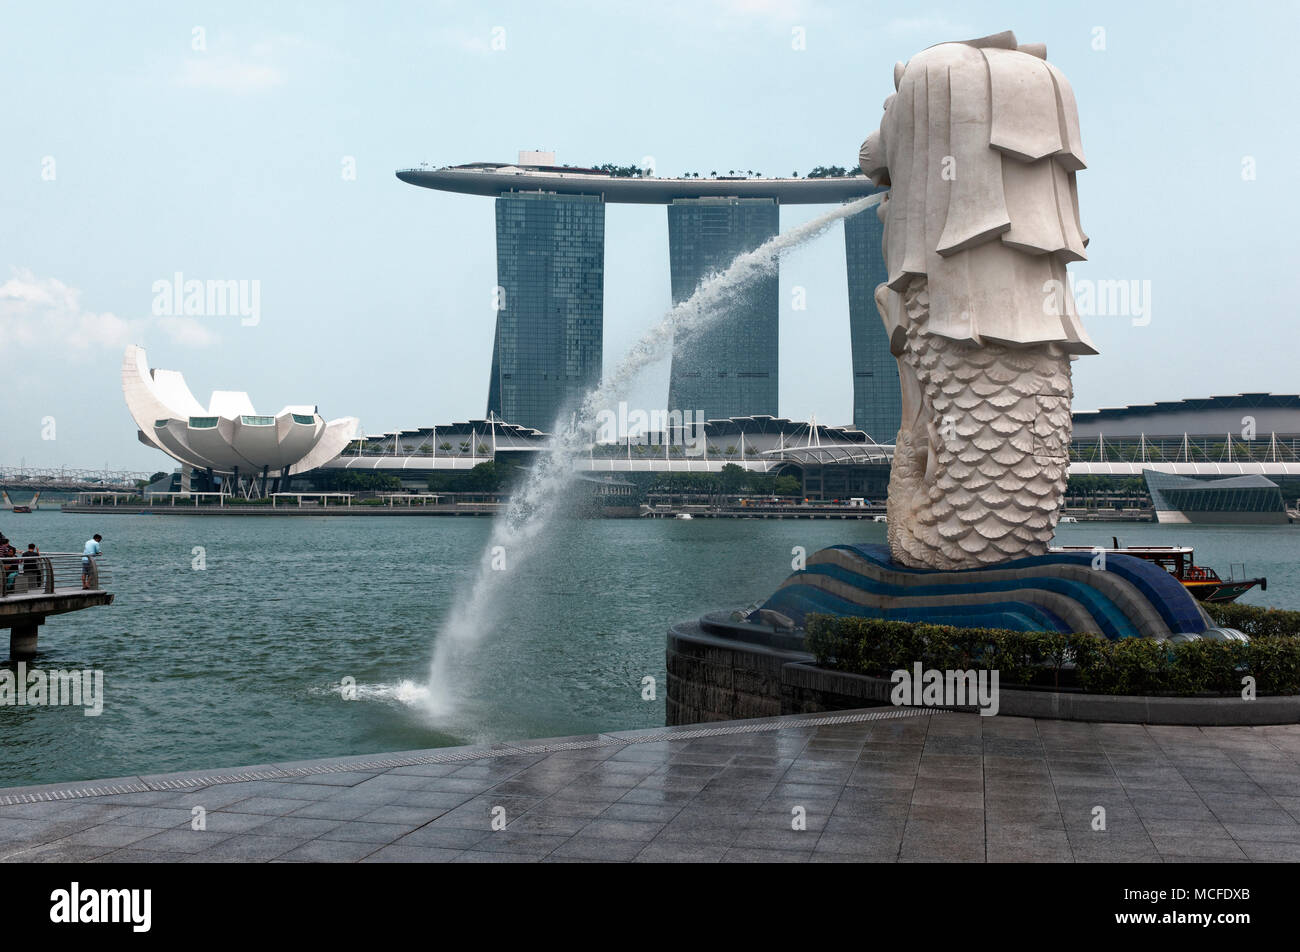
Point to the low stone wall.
(713, 675)
(716, 678)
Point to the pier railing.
(48, 572)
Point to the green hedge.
(1255, 621)
(1090, 662)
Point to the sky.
(257, 142)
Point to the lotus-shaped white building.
(228, 436)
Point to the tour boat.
(1204, 583)
(18, 508)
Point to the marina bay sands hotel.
(550, 235)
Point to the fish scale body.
(980, 473)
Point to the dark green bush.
(1091, 662)
(1255, 621)
(1275, 664)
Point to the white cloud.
(42, 312)
(214, 71)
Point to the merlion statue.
(979, 147)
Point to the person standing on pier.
(8, 566)
(31, 560)
(88, 556)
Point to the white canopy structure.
(228, 436)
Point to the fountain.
(520, 533)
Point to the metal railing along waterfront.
(47, 573)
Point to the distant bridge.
(65, 479)
(802, 456)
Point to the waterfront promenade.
(875, 785)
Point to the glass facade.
(877, 401)
(550, 317)
(729, 368)
(1236, 494)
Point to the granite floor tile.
(181, 841)
(361, 832)
(1175, 846)
(163, 818)
(112, 836)
(615, 829)
(407, 816)
(268, 806)
(661, 851)
(515, 842)
(552, 824)
(333, 810)
(248, 848)
(750, 855)
(129, 855)
(1270, 851)
(1210, 829)
(399, 853)
(676, 798)
(566, 806)
(436, 837)
(592, 848)
(58, 852)
(483, 856)
(645, 812)
(297, 826)
(329, 851)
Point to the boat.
(684, 515)
(1203, 582)
(19, 508)
(1065, 519)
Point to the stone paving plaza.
(882, 785)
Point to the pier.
(47, 585)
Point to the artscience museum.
(227, 438)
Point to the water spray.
(535, 500)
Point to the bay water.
(243, 661)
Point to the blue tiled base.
(1128, 598)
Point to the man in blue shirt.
(88, 555)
